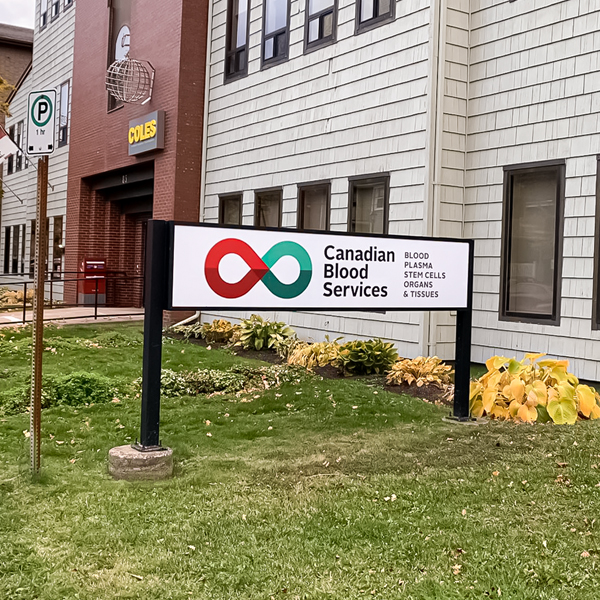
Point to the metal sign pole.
(155, 302)
(35, 413)
(462, 369)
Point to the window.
(532, 242)
(596, 303)
(236, 56)
(19, 142)
(63, 123)
(230, 210)
(57, 248)
(10, 161)
(267, 209)
(43, 13)
(6, 249)
(369, 204)
(275, 31)
(68, 3)
(320, 23)
(119, 39)
(371, 13)
(313, 207)
(32, 249)
(55, 8)
(14, 267)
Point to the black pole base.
(137, 446)
(454, 419)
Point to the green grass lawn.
(320, 489)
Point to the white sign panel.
(41, 120)
(217, 267)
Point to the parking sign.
(41, 122)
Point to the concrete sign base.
(125, 462)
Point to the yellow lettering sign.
(139, 133)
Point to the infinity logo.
(260, 269)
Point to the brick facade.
(175, 44)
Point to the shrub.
(420, 371)
(532, 389)
(366, 357)
(257, 333)
(219, 331)
(314, 355)
(75, 389)
(188, 331)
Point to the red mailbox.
(92, 281)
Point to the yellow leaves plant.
(420, 371)
(314, 355)
(532, 390)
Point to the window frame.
(509, 171)
(67, 4)
(227, 77)
(271, 62)
(368, 179)
(279, 190)
(232, 196)
(54, 4)
(64, 142)
(325, 184)
(596, 292)
(373, 22)
(7, 249)
(43, 15)
(10, 160)
(321, 42)
(19, 141)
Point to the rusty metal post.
(35, 413)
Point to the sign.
(217, 267)
(41, 122)
(147, 133)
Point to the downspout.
(431, 170)
(204, 133)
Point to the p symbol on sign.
(41, 111)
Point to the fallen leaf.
(496, 473)
(269, 428)
(585, 554)
(138, 577)
(207, 422)
(464, 512)
(192, 547)
(209, 434)
(59, 442)
(26, 433)
(562, 464)
(456, 569)
(354, 407)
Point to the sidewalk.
(77, 314)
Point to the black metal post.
(96, 300)
(155, 301)
(462, 367)
(24, 302)
(51, 299)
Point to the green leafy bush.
(257, 333)
(188, 331)
(360, 357)
(75, 389)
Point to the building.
(451, 118)
(131, 161)
(51, 68)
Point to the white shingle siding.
(52, 65)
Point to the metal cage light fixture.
(130, 80)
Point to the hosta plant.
(314, 355)
(257, 333)
(219, 331)
(188, 331)
(420, 371)
(532, 390)
(361, 357)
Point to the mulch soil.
(428, 393)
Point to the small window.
(19, 142)
(32, 248)
(23, 232)
(230, 210)
(63, 123)
(267, 209)
(275, 31)
(371, 13)
(10, 161)
(313, 207)
(320, 23)
(14, 266)
(236, 56)
(43, 13)
(58, 248)
(532, 242)
(369, 205)
(68, 3)
(55, 8)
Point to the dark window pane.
(369, 208)
(231, 210)
(314, 208)
(316, 6)
(384, 7)
(268, 206)
(327, 25)
(532, 243)
(281, 44)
